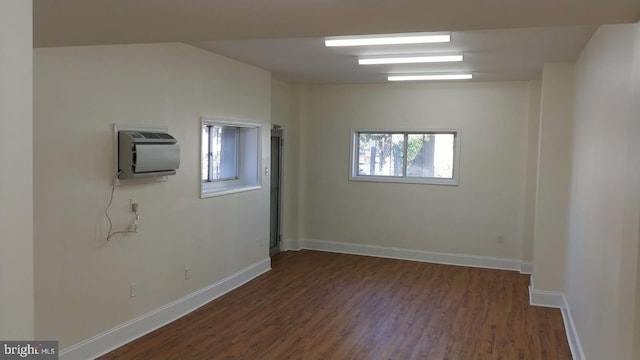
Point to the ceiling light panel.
(414, 59)
(394, 39)
(430, 77)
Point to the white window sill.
(403, 180)
(207, 193)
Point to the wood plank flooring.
(316, 305)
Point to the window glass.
(430, 155)
(205, 156)
(380, 154)
(219, 153)
(405, 156)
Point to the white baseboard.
(552, 299)
(572, 334)
(556, 299)
(144, 324)
(526, 268)
(406, 254)
(290, 245)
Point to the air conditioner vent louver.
(155, 135)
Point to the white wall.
(82, 283)
(16, 174)
(604, 212)
(531, 179)
(285, 101)
(465, 219)
(636, 110)
(636, 332)
(554, 172)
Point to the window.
(429, 157)
(229, 157)
(219, 152)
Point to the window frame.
(248, 177)
(354, 155)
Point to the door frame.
(282, 196)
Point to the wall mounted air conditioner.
(146, 153)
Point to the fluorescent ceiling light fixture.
(430, 77)
(393, 39)
(414, 59)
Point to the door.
(276, 190)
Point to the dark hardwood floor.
(316, 305)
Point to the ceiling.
(491, 55)
(501, 39)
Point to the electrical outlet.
(132, 290)
(500, 239)
(187, 272)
